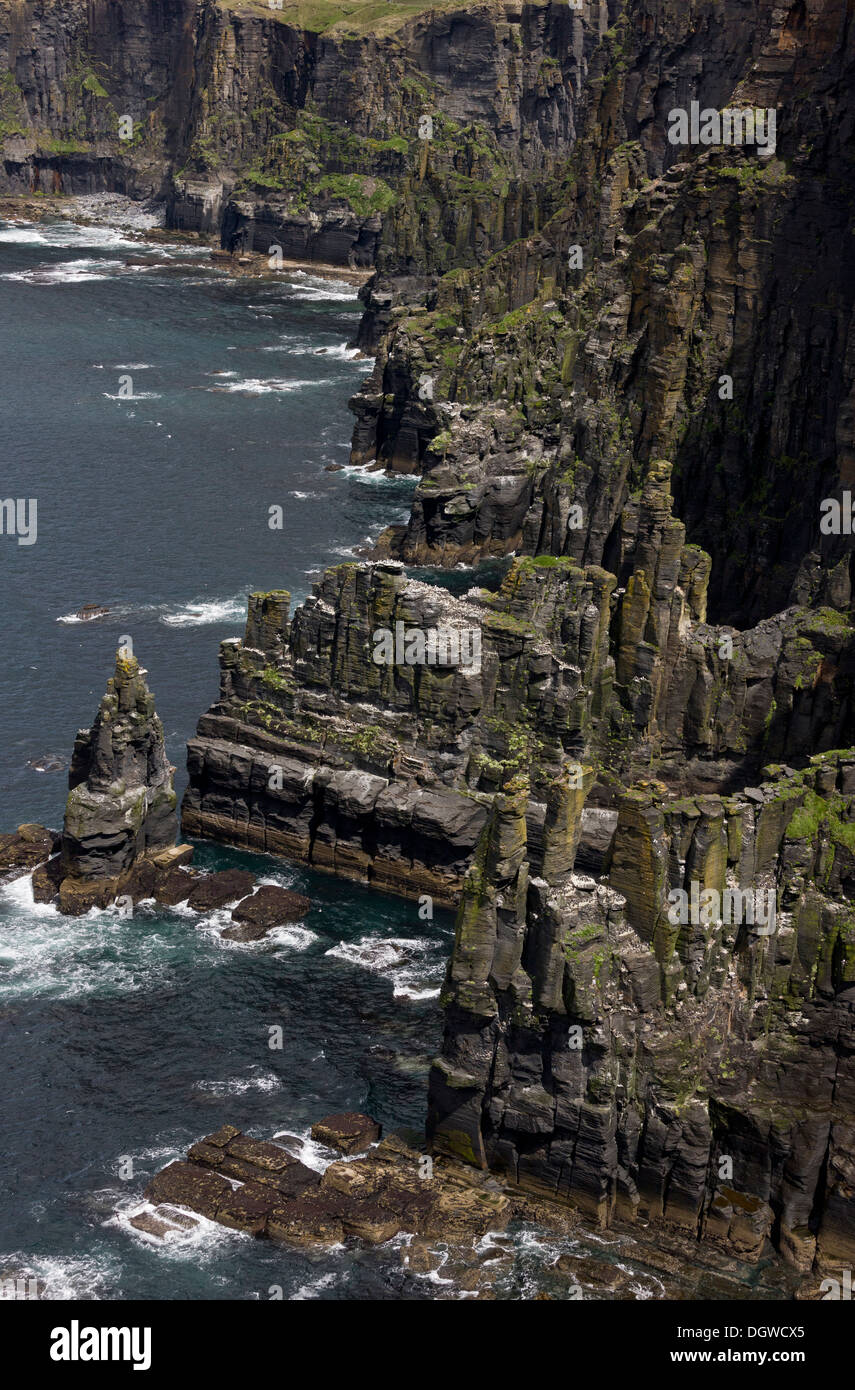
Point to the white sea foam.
(407, 962)
(73, 618)
(46, 955)
(339, 352)
(307, 1291)
(240, 1085)
(66, 235)
(342, 353)
(66, 1278)
(314, 1155)
(294, 938)
(137, 396)
(315, 289)
(206, 611)
(23, 234)
(199, 613)
(262, 386)
(197, 1242)
(362, 473)
(65, 273)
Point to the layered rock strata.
(382, 772)
(300, 127)
(261, 1188)
(121, 802)
(626, 368)
(118, 840)
(609, 1047)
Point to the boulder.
(152, 1225)
(213, 891)
(46, 880)
(234, 1155)
(267, 908)
(349, 1132)
(370, 1223)
(306, 1221)
(189, 1186)
(22, 850)
(77, 895)
(174, 887)
(247, 1208)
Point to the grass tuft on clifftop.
(341, 16)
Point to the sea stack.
(121, 802)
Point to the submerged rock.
(90, 611)
(269, 907)
(213, 891)
(48, 762)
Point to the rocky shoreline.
(117, 847)
(450, 1223)
(134, 218)
(583, 348)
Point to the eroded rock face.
(384, 772)
(212, 91)
(648, 432)
(604, 1048)
(121, 806)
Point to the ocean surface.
(124, 1042)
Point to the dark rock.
(267, 908)
(306, 1221)
(121, 805)
(213, 891)
(370, 1223)
(252, 1160)
(348, 1132)
(189, 1186)
(21, 851)
(46, 880)
(49, 762)
(158, 1223)
(174, 887)
(247, 1208)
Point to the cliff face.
(698, 1074)
(385, 770)
(691, 323)
(625, 370)
(621, 397)
(297, 126)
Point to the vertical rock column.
(121, 803)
